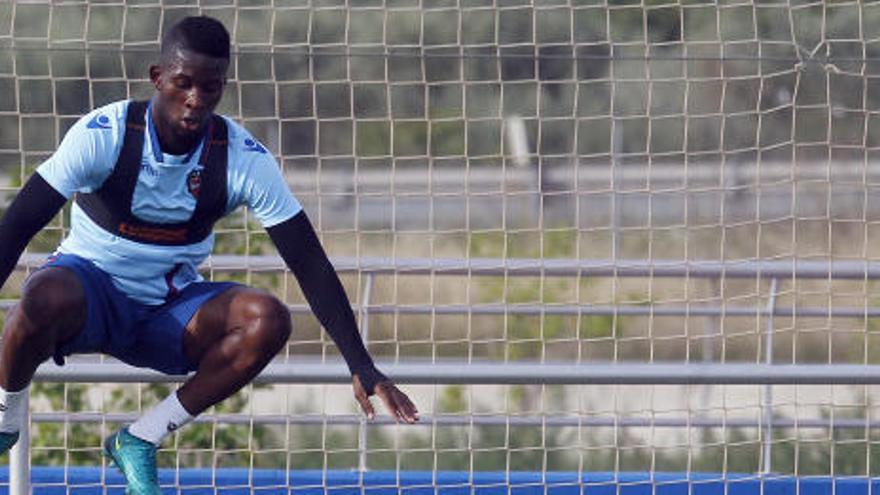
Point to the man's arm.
(34, 207)
(82, 161)
(302, 252)
(299, 246)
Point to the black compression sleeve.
(301, 250)
(34, 206)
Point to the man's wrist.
(369, 377)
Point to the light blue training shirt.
(86, 158)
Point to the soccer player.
(150, 179)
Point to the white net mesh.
(653, 134)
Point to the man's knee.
(260, 328)
(53, 297)
(51, 311)
(268, 319)
(242, 325)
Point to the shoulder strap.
(111, 202)
(211, 202)
(110, 205)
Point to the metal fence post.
(365, 334)
(19, 457)
(768, 389)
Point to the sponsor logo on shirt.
(172, 426)
(152, 234)
(251, 145)
(99, 121)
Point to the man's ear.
(155, 74)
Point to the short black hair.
(200, 34)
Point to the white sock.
(12, 409)
(161, 420)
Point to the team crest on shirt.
(194, 182)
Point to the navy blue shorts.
(138, 334)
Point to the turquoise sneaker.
(136, 459)
(7, 440)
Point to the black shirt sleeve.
(302, 252)
(34, 207)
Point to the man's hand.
(397, 403)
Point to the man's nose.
(195, 98)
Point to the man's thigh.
(161, 334)
(109, 314)
(140, 335)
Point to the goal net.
(517, 181)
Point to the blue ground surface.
(91, 481)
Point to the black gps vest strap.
(110, 205)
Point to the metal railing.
(370, 267)
(766, 374)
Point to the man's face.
(189, 86)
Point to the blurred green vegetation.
(841, 451)
(676, 77)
